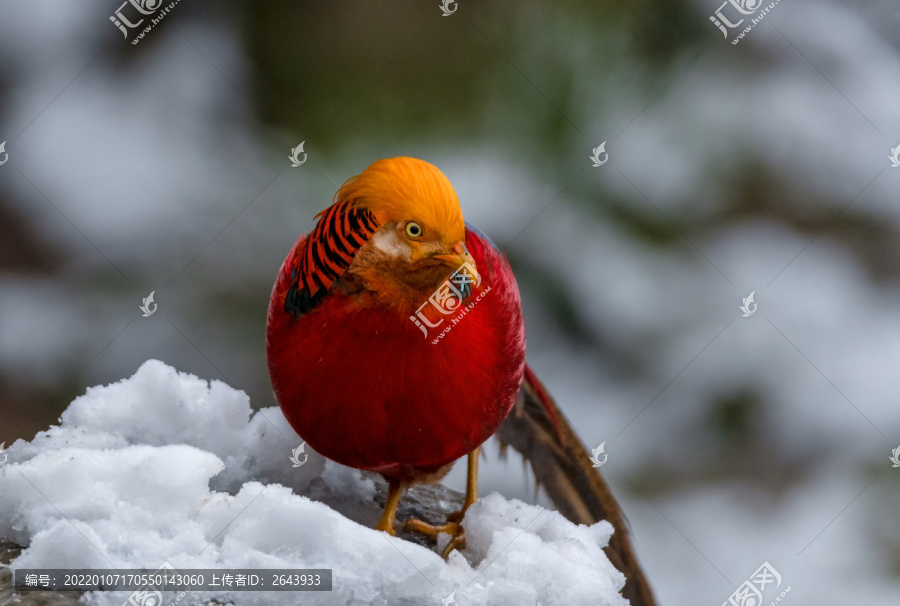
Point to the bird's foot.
(453, 527)
(387, 527)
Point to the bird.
(390, 258)
(359, 383)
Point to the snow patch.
(164, 466)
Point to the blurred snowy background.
(163, 166)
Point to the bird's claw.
(457, 541)
(453, 527)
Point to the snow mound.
(164, 466)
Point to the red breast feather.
(363, 386)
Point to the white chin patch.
(390, 242)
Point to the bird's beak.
(461, 257)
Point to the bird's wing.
(537, 429)
(326, 253)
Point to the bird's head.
(421, 239)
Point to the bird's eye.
(413, 229)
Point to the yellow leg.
(453, 527)
(472, 479)
(386, 523)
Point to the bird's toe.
(453, 527)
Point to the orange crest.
(394, 189)
(397, 189)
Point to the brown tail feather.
(537, 429)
